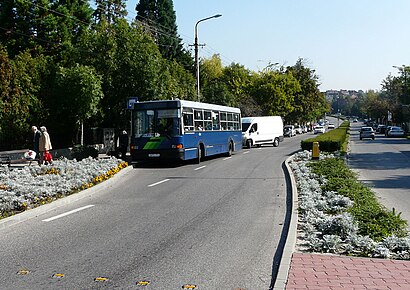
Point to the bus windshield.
(156, 123)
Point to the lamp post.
(196, 53)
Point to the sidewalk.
(321, 271)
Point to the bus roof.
(183, 103)
(207, 106)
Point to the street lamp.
(196, 52)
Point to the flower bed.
(326, 222)
(36, 185)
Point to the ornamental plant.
(338, 214)
(36, 185)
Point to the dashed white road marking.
(246, 152)
(227, 158)
(67, 213)
(200, 167)
(159, 182)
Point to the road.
(215, 225)
(384, 165)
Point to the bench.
(5, 160)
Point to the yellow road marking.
(23, 272)
(143, 283)
(189, 286)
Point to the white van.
(262, 130)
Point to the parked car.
(381, 129)
(331, 126)
(289, 131)
(366, 132)
(386, 131)
(319, 129)
(396, 132)
(298, 129)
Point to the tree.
(131, 66)
(395, 94)
(17, 22)
(309, 103)
(77, 95)
(274, 92)
(109, 10)
(214, 88)
(159, 19)
(19, 105)
(374, 106)
(43, 26)
(238, 80)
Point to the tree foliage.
(109, 10)
(19, 86)
(275, 92)
(159, 19)
(309, 103)
(63, 63)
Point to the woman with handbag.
(45, 147)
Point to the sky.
(351, 44)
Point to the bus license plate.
(154, 155)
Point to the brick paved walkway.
(320, 271)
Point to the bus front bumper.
(152, 154)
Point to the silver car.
(366, 132)
(395, 132)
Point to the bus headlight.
(178, 146)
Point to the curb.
(282, 276)
(37, 211)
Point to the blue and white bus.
(183, 130)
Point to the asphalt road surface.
(214, 225)
(384, 165)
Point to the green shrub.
(80, 152)
(331, 141)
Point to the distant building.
(331, 95)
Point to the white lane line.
(67, 213)
(227, 158)
(246, 152)
(200, 167)
(159, 182)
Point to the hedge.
(331, 141)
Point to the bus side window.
(199, 125)
(188, 119)
(215, 120)
(208, 125)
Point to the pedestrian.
(45, 146)
(36, 142)
(123, 144)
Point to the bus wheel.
(230, 149)
(248, 144)
(276, 142)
